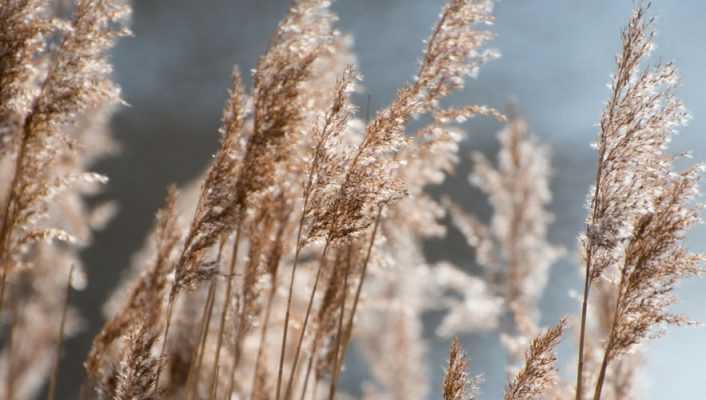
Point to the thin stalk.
(363, 274)
(339, 335)
(312, 356)
(587, 281)
(165, 336)
(211, 300)
(60, 339)
(623, 76)
(582, 334)
(195, 373)
(216, 374)
(236, 352)
(309, 367)
(318, 153)
(263, 335)
(611, 338)
(309, 306)
(273, 269)
(602, 373)
(290, 294)
(224, 313)
(242, 317)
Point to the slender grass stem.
(611, 340)
(263, 335)
(356, 299)
(602, 373)
(195, 369)
(582, 332)
(165, 336)
(224, 313)
(290, 293)
(313, 170)
(309, 367)
(60, 338)
(302, 333)
(339, 334)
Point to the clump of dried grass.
(54, 106)
(640, 208)
(300, 188)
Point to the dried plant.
(301, 188)
(539, 372)
(457, 385)
(136, 375)
(513, 248)
(76, 80)
(55, 103)
(640, 209)
(145, 300)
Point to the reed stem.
(60, 339)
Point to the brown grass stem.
(60, 338)
(309, 307)
(356, 299)
(224, 313)
(195, 369)
(339, 334)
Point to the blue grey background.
(557, 57)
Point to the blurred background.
(556, 60)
